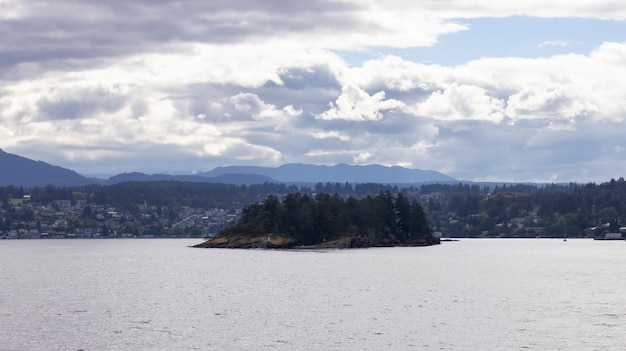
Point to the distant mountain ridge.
(296, 172)
(20, 171)
(236, 179)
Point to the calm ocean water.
(506, 294)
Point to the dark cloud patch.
(308, 78)
(409, 97)
(139, 109)
(208, 102)
(529, 150)
(393, 124)
(80, 105)
(288, 145)
(50, 37)
(400, 125)
(312, 101)
(308, 90)
(239, 6)
(477, 147)
(71, 29)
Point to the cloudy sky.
(479, 90)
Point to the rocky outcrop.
(279, 241)
(249, 242)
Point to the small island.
(326, 221)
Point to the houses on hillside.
(78, 219)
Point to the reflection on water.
(161, 295)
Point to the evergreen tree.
(403, 214)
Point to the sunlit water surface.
(162, 295)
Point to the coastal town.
(156, 209)
(483, 216)
(25, 219)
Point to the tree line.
(385, 219)
(548, 210)
(455, 209)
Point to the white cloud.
(253, 106)
(355, 104)
(393, 73)
(263, 116)
(551, 43)
(422, 147)
(552, 101)
(611, 54)
(362, 158)
(331, 134)
(560, 8)
(459, 102)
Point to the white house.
(613, 236)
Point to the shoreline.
(280, 242)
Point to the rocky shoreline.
(277, 241)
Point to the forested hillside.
(526, 210)
(455, 210)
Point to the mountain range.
(303, 173)
(20, 171)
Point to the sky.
(524, 91)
